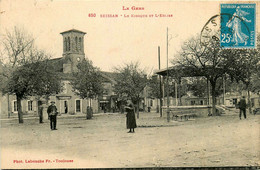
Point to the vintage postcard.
(129, 84)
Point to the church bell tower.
(73, 49)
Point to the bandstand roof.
(181, 71)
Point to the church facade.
(67, 101)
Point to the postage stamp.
(238, 25)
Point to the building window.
(78, 105)
(76, 43)
(65, 44)
(15, 107)
(30, 105)
(253, 102)
(201, 102)
(151, 103)
(234, 101)
(192, 102)
(105, 92)
(65, 106)
(79, 43)
(68, 43)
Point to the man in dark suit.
(52, 112)
(242, 107)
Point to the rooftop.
(185, 71)
(72, 30)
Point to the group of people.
(130, 115)
(53, 112)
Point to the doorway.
(65, 106)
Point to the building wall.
(33, 110)
(194, 101)
(59, 99)
(69, 96)
(3, 105)
(150, 102)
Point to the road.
(104, 142)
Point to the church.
(73, 53)
(66, 101)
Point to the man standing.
(52, 112)
(242, 107)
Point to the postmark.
(238, 25)
(210, 31)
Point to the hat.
(52, 101)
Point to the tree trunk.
(19, 108)
(157, 107)
(161, 104)
(138, 109)
(179, 91)
(8, 106)
(213, 93)
(40, 111)
(208, 96)
(249, 101)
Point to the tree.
(154, 87)
(30, 72)
(18, 45)
(205, 59)
(198, 86)
(213, 62)
(177, 88)
(32, 79)
(256, 81)
(244, 66)
(87, 82)
(154, 90)
(130, 83)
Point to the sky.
(111, 42)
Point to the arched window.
(65, 44)
(79, 43)
(76, 43)
(68, 43)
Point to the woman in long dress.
(235, 24)
(130, 117)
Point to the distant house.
(108, 100)
(190, 100)
(231, 99)
(255, 99)
(234, 98)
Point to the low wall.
(200, 111)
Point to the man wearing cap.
(52, 112)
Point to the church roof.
(72, 30)
(57, 63)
